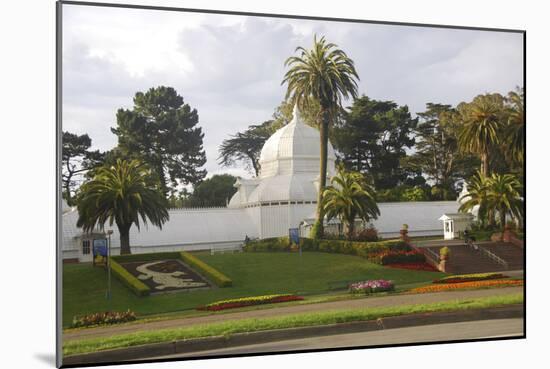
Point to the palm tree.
(482, 120)
(322, 75)
(503, 194)
(349, 197)
(477, 196)
(122, 194)
(515, 128)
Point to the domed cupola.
(294, 148)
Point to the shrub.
(137, 286)
(109, 317)
(413, 266)
(212, 274)
(249, 301)
(369, 234)
(364, 249)
(444, 252)
(268, 244)
(146, 257)
(371, 286)
(398, 257)
(470, 277)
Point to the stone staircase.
(512, 254)
(465, 260)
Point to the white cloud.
(230, 67)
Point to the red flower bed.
(413, 266)
(249, 301)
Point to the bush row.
(146, 257)
(364, 249)
(137, 286)
(268, 244)
(109, 317)
(398, 257)
(212, 274)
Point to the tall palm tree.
(322, 75)
(477, 196)
(349, 197)
(121, 194)
(481, 123)
(515, 128)
(503, 194)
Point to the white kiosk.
(454, 224)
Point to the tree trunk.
(485, 164)
(162, 179)
(323, 133)
(350, 229)
(124, 239)
(503, 217)
(68, 197)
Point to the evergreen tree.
(162, 131)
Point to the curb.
(241, 339)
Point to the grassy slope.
(252, 274)
(297, 320)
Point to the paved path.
(370, 302)
(428, 333)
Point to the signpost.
(294, 237)
(99, 248)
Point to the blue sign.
(100, 247)
(294, 235)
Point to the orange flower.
(464, 285)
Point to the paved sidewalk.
(370, 302)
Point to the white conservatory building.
(283, 196)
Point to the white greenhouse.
(283, 196)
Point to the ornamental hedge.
(364, 249)
(398, 257)
(134, 284)
(268, 244)
(212, 274)
(146, 257)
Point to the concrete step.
(464, 260)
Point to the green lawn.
(291, 321)
(252, 273)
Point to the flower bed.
(470, 277)
(413, 266)
(108, 317)
(249, 301)
(373, 286)
(466, 285)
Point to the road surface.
(370, 302)
(429, 333)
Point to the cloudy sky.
(230, 67)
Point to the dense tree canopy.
(76, 160)
(214, 191)
(162, 131)
(246, 146)
(372, 139)
(436, 153)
